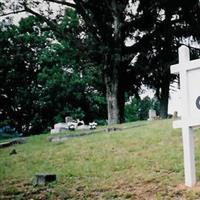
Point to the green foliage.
(6, 123)
(50, 70)
(18, 72)
(156, 27)
(43, 78)
(138, 109)
(68, 89)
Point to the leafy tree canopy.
(44, 78)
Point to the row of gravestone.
(71, 124)
(153, 116)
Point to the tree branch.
(50, 23)
(62, 3)
(138, 46)
(81, 10)
(13, 12)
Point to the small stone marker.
(190, 100)
(152, 114)
(43, 179)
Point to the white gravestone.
(152, 114)
(190, 115)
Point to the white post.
(189, 160)
(189, 71)
(187, 132)
(183, 54)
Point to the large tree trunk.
(114, 90)
(112, 103)
(113, 69)
(114, 96)
(121, 100)
(164, 97)
(168, 57)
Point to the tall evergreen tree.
(165, 23)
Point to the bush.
(138, 109)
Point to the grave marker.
(152, 114)
(189, 72)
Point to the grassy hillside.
(142, 162)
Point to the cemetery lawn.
(142, 161)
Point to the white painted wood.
(183, 54)
(193, 123)
(193, 64)
(190, 115)
(189, 123)
(177, 124)
(175, 69)
(193, 85)
(189, 160)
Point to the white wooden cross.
(190, 102)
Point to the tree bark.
(114, 70)
(112, 103)
(168, 57)
(114, 91)
(115, 105)
(164, 97)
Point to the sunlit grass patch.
(141, 160)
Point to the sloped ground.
(142, 162)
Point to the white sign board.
(194, 93)
(190, 115)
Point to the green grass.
(144, 162)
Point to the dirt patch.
(120, 189)
(24, 190)
(195, 189)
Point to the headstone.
(43, 179)
(54, 131)
(61, 126)
(72, 125)
(152, 114)
(82, 127)
(190, 116)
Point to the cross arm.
(175, 69)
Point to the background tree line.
(44, 78)
(99, 45)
